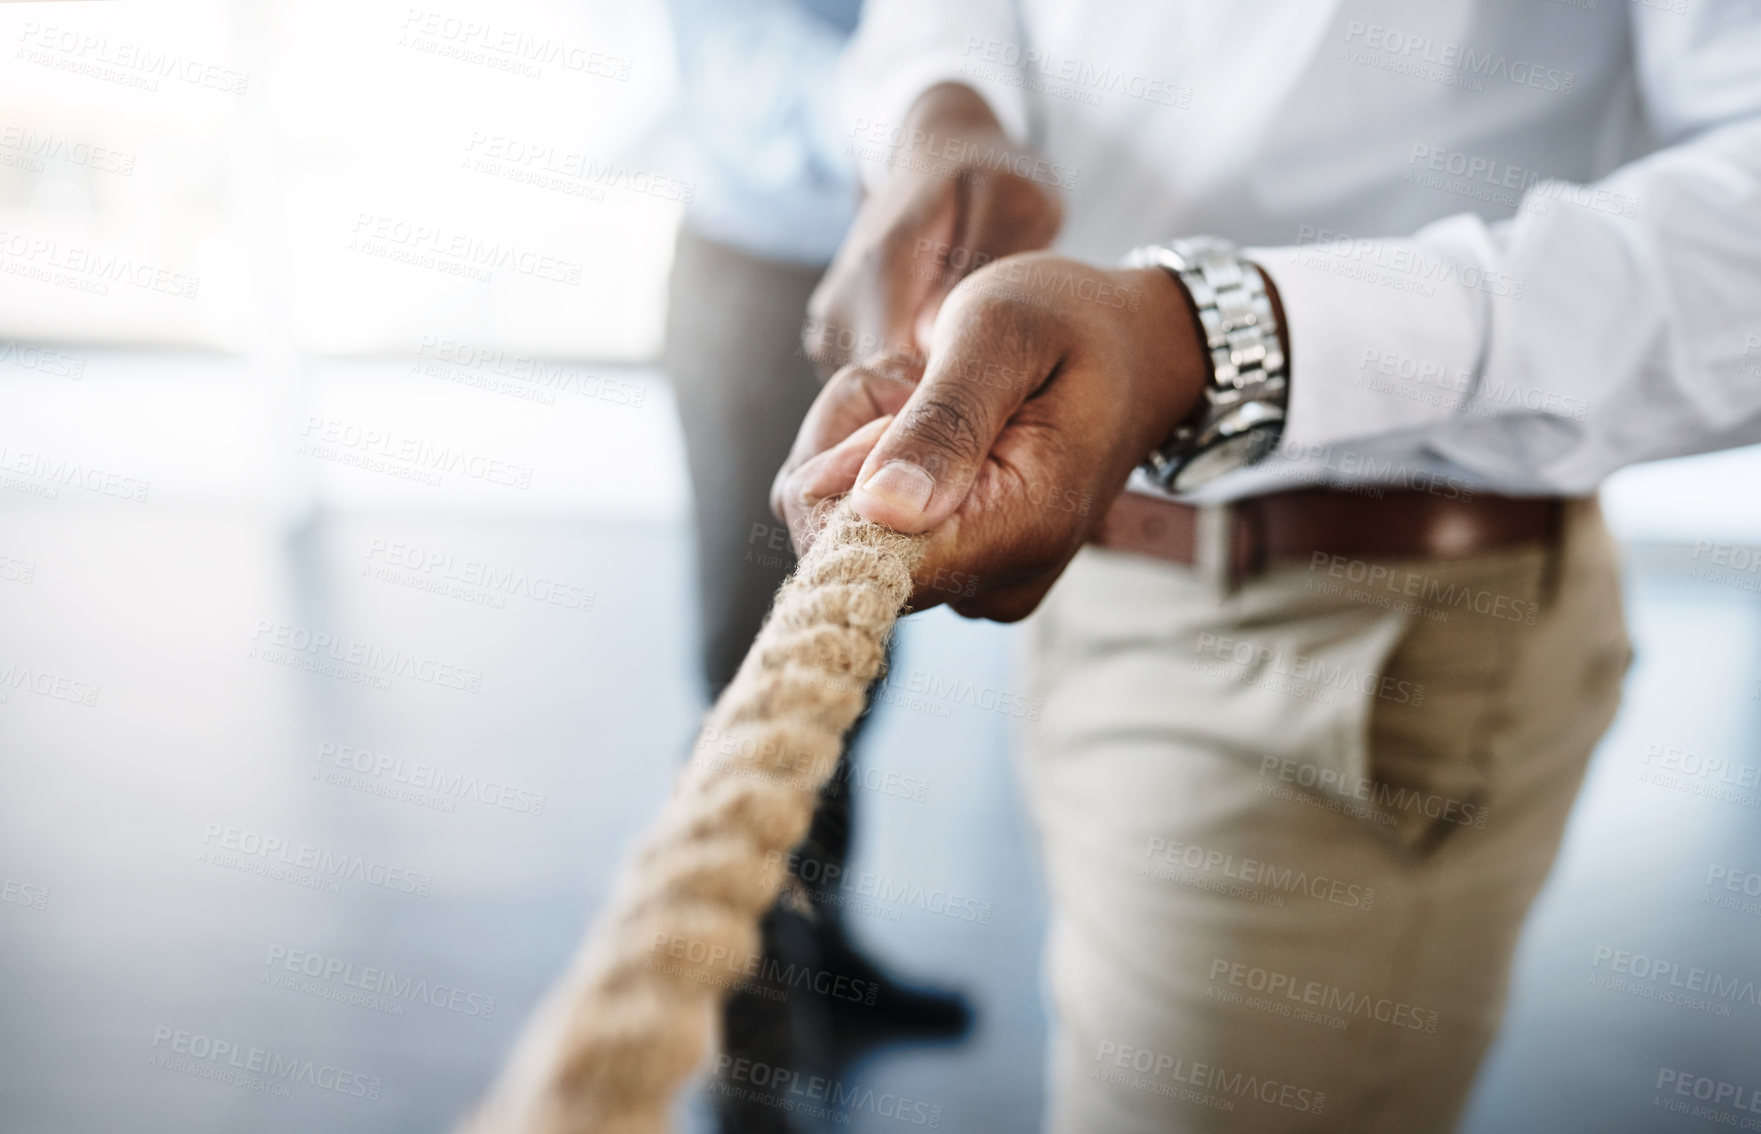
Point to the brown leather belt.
(1297, 525)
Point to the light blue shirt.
(758, 99)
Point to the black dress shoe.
(772, 1025)
(888, 1009)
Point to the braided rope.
(635, 1014)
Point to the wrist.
(1173, 363)
(1277, 309)
(1235, 315)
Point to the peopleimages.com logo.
(210, 1057)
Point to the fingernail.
(900, 484)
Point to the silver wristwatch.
(1243, 415)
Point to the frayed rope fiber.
(637, 1011)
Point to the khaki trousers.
(1291, 828)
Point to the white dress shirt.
(1518, 242)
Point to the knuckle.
(879, 384)
(852, 381)
(897, 242)
(834, 331)
(818, 344)
(846, 376)
(951, 422)
(890, 372)
(1010, 301)
(823, 300)
(1032, 209)
(983, 293)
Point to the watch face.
(1227, 455)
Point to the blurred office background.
(259, 264)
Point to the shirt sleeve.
(1603, 325)
(756, 86)
(904, 47)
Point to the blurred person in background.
(774, 195)
(1319, 689)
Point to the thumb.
(925, 463)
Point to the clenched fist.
(1047, 380)
(935, 220)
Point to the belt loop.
(1213, 546)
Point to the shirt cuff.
(1385, 335)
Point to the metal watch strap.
(1246, 394)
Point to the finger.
(854, 396)
(1010, 214)
(797, 492)
(949, 261)
(917, 269)
(877, 283)
(995, 558)
(1028, 513)
(999, 554)
(833, 472)
(989, 355)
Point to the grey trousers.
(733, 356)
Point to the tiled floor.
(176, 821)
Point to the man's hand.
(950, 205)
(1047, 381)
